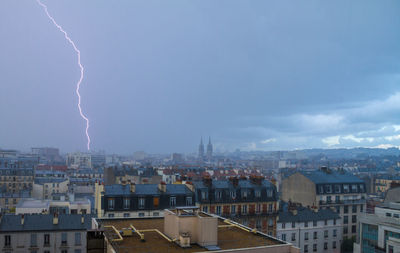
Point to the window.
(314, 223)
(218, 210)
(354, 208)
(46, 240)
(293, 237)
(345, 219)
(257, 193)
(269, 193)
(141, 214)
(361, 188)
(326, 234)
(314, 247)
(391, 249)
(156, 202)
(33, 240)
(63, 238)
(283, 225)
(328, 188)
(396, 215)
(306, 224)
(353, 218)
(233, 209)
(218, 195)
(126, 215)
(321, 189)
(334, 244)
(77, 251)
(111, 204)
(244, 193)
(244, 209)
(388, 215)
(172, 201)
(204, 195)
(293, 224)
(353, 188)
(326, 222)
(64, 251)
(78, 239)
(127, 203)
(361, 208)
(346, 209)
(189, 201)
(354, 229)
(325, 245)
(233, 194)
(258, 208)
(337, 188)
(270, 208)
(110, 215)
(334, 221)
(205, 209)
(156, 214)
(270, 222)
(345, 230)
(283, 237)
(346, 188)
(141, 202)
(337, 199)
(306, 236)
(315, 235)
(334, 233)
(306, 248)
(7, 241)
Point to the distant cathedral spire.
(201, 148)
(209, 149)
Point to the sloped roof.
(44, 222)
(320, 177)
(146, 189)
(306, 214)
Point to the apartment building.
(311, 230)
(44, 233)
(16, 179)
(251, 201)
(327, 189)
(43, 188)
(142, 200)
(379, 232)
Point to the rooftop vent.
(184, 240)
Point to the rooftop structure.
(187, 230)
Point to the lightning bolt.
(78, 85)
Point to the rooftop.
(305, 214)
(229, 237)
(146, 189)
(332, 177)
(44, 222)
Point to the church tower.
(201, 149)
(209, 149)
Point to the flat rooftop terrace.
(229, 237)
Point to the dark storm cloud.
(253, 75)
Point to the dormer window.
(204, 195)
(244, 193)
(328, 188)
(337, 188)
(269, 193)
(361, 188)
(218, 195)
(353, 188)
(257, 193)
(321, 189)
(233, 194)
(346, 188)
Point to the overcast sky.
(254, 75)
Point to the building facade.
(379, 232)
(326, 189)
(143, 200)
(311, 230)
(44, 233)
(252, 202)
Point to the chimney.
(235, 181)
(207, 180)
(133, 187)
(22, 219)
(294, 212)
(55, 219)
(162, 186)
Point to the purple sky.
(258, 75)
